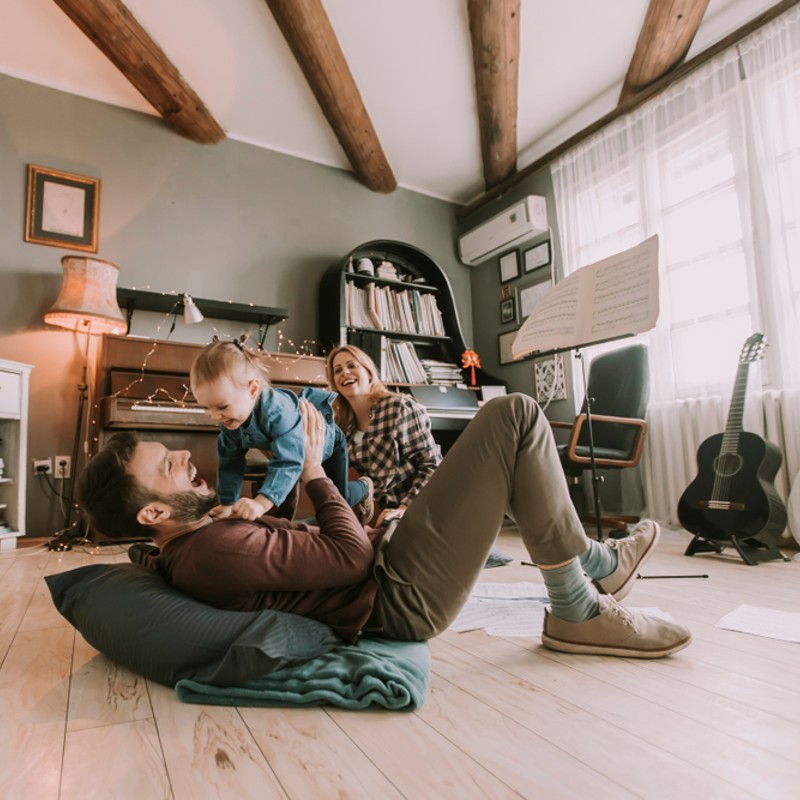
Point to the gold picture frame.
(62, 209)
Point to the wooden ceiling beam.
(773, 12)
(667, 34)
(494, 30)
(116, 32)
(309, 34)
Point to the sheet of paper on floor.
(783, 625)
(510, 609)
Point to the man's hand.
(389, 514)
(251, 507)
(314, 437)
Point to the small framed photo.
(506, 292)
(508, 311)
(504, 342)
(530, 296)
(62, 209)
(509, 266)
(537, 256)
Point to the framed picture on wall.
(509, 266)
(537, 256)
(508, 311)
(62, 209)
(530, 296)
(504, 342)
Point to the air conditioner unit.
(522, 221)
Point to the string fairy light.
(161, 394)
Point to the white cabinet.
(14, 383)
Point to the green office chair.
(610, 430)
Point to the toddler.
(231, 383)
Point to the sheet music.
(769, 622)
(615, 297)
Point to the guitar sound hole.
(727, 464)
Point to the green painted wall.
(227, 221)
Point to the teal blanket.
(372, 673)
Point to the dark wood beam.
(642, 97)
(494, 30)
(112, 27)
(667, 34)
(309, 34)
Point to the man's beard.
(190, 507)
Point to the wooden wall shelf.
(133, 299)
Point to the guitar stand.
(752, 549)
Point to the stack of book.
(443, 373)
(386, 269)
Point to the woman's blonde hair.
(229, 358)
(343, 411)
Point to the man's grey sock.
(599, 561)
(572, 597)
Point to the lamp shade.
(191, 313)
(88, 297)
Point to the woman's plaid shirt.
(397, 451)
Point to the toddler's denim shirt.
(275, 426)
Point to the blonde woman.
(388, 433)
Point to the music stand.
(611, 299)
(587, 409)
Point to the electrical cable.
(19, 552)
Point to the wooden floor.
(504, 717)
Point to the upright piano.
(143, 385)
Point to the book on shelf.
(405, 362)
(397, 361)
(390, 309)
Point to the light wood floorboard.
(504, 718)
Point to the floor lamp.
(87, 303)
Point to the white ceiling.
(411, 60)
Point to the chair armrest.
(557, 424)
(635, 455)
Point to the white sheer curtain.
(713, 167)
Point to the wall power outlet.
(63, 466)
(42, 466)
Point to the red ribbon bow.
(469, 358)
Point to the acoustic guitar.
(733, 499)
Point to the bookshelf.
(14, 391)
(401, 311)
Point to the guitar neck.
(736, 411)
